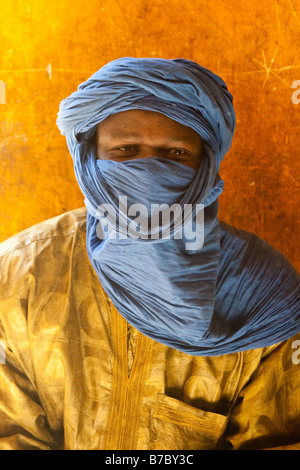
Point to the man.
(127, 329)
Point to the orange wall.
(49, 47)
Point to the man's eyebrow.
(124, 136)
(137, 138)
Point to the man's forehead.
(140, 138)
(135, 125)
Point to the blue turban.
(233, 292)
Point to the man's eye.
(127, 148)
(178, 152)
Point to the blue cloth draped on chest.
(234, 292)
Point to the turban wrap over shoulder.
(234, 293)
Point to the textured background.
(49, 48)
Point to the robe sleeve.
(23, 421)
(266, 414)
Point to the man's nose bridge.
(148, 151)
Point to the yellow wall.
(49, 47)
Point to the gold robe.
(76, 375)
